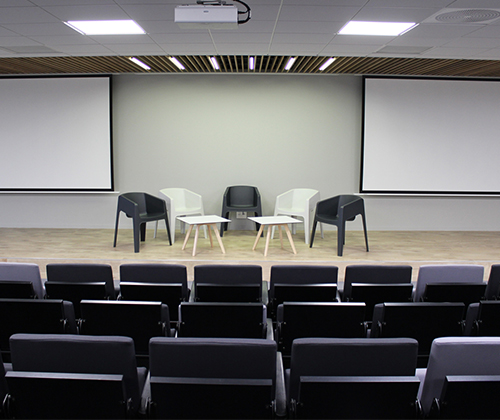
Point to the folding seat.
(166, 283)
(17, 290)
(447, 273)
(301, 283)
(483, 319)
(47, 395)
(423, 321)
(454, 292)
(493, 288)
(458, 356)
(23, 272)
(353, 378)
(305, 319)
(224, 319)
(215, 378)
(374, 274)
(81, 354)
(42, 316)
(138, 320)
(228, 283)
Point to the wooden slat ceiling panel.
(263, 64)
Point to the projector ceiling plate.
(206, 16)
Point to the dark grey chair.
(240, 198)
(215, 378)
(12, 271)
(337, 211)
(482, 319)
(493, 288)
(141, 208)
(80, 354)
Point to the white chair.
(299, 202)
(181, 202)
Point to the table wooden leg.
(269, 229)
(210, 235)
(187, 237)
(281, 236)
(288, 233)
(259, 233)
(217, 235)
(197, 233)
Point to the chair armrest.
(129, 207)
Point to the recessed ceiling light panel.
(376, 28)
(106, 27)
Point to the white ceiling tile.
(318, 13)
(396, 14)
(25, 15)
(89, 12)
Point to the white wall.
(206, 132)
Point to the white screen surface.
(431, 136)
(55, 134)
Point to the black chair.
(304, 319)
(17, 290)
(374, 274)
(69, 353)
(226, 320)
(357, 397)
(372, 294)
(238, 282)
(46, 395)
(468, 397)
(493, 288)
(76, 292)
(454, 292)
(138, 320)
(483, 319)
(142, 208)
(423, 321)
(83, 273)
(215, 378)
(240, 198)
(337, 211)
(42, 316)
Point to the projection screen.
(431, 136)
(55, 134)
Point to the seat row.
(54, 376)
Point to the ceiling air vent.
(450, 15)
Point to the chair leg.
(156, 229)
(340, 239)
(168, 230)
(137, 233)
(116, 227)
(313, 233)
(143, 232)
(366, 234)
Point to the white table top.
(202, 220)
(274, 220)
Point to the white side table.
(210, 220)
(271, 221)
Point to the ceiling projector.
(209, 15)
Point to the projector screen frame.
(110, 188)
(410, 192)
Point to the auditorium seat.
(458, 356)
(12, 271)
(18, 289)
(447, 273)
(348, 365)
(423, 321)
(493, 288)
(483, 319)
(454, 292)
(80, 354)
(215, 378)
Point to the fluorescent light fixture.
(139, 63)
(290, 63)
(376, 28)
(251, 63)
(177, 63)
(327, 63)
(106, 27)
(214, 62)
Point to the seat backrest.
(23, 272)
(485, 323)
(301, 319)
(458, 356)
(242, 195)
(139, 320)
(75, 272)
(297, 198)
(138, 198)
(181, 198)
(447, 273)
(301, 274)
(78, 354)
(155, 273)
(209, 292)
(230, 320)
(493, 288)
(351, 357)
(42, 316)
(364, 273)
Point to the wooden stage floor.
(42, 246)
